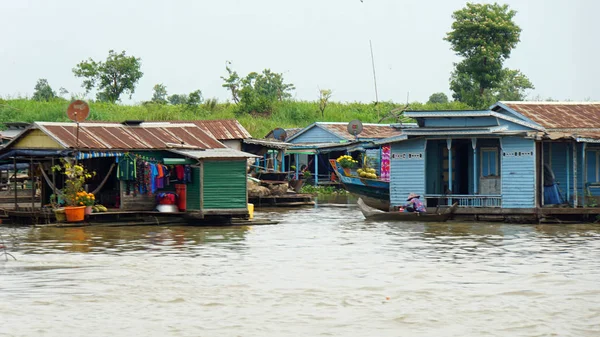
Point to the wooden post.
(282, 160)
(297, 163)
(265, 158)
(256, 164)
(584, 178)
(575, 201)
(316, 169)
(542, 189)
(449, 146)
(32, 183)
(15, 181)
(475, 173)
(568, 173)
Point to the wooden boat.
(371, 213)
(374, 192)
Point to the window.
(593, 166)
(489, 161)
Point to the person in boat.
(414, 204)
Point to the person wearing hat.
(414, 204)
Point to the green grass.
(287, 114)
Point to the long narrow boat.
(371, 213)
(374, 192)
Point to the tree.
(232, 83)
(438, 97)
(257, 92)
(177, 99)
(159, 96)
(117, 75)
(43, 91)
(194, 99)
(324, 96)
(512, 87)
(484, 35)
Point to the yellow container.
(251, 211)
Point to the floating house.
(314, 145)
(516, 158)
(215, 175)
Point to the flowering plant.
(75, 177)
(85, 199)
(346, 161)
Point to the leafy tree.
(257, 92)
(43, 91)
(177, 99)
(484, 35)
(512, 87)
(438, 97)
(117, 75)
(62, 92)
(324, 96)
(194, 98)
(159, 95)
(232, 83)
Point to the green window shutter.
(225, 184)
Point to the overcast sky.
(315, 43)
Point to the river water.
(321, 272)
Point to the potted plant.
(347, 163)
(86, 199)
(75, 177)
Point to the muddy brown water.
(322, 271)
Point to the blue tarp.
(36, 153)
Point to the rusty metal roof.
(371, 131)
(560, 115)
(116, 136)
(221, 129)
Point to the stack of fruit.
(99, 209)
(367, 173)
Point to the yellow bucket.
(251, 211)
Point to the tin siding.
(460, 122)
(518, 173)
(407, 175)
(224, 184)
(316, 135)
(193, 191)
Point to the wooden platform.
(286, 200)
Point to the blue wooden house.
(535, 158)
(314, 145)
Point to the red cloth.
(180, 171)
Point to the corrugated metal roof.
(222, 129)
(116, 136)
(273, 144)
(289, 133)
(371, 131)
(559, 115)
(214, 153)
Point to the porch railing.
(467, 200)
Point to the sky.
(316, 44)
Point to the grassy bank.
(285, 114)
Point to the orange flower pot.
(75, 213)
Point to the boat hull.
(377, 215)
(375, 193)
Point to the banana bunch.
(99, 209)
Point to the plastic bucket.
(250, 211)
(75, 213)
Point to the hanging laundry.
(126, 169)
(153, 175)
(159, 177)
(180, 172)
(188, 174)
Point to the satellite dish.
(279, 134)
(355, 127)
(78, 111)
